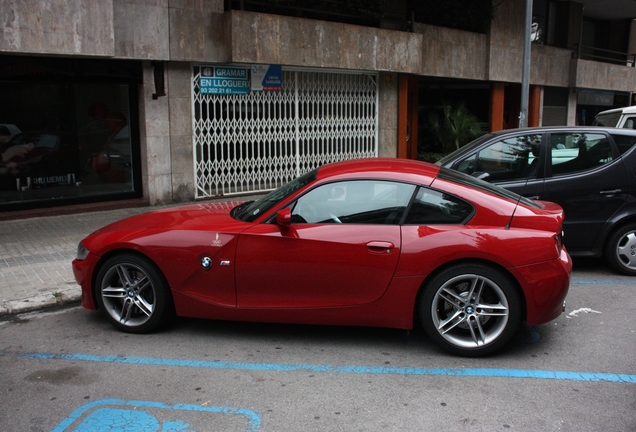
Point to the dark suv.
(589, 171)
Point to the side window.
(356, 201)
(432, 207)
(509, 159)
(624, 142)
(630, 123)
(574, 152)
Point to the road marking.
(102, 416)
(602, 282)
(354, 370)
(575, 313)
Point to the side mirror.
(284, 217)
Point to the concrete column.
(572, 102)
(388, 115)
(181, 150)
(154, 125)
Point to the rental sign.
(223, 80)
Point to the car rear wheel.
(133, 294)
(470, 309)
(621, 250)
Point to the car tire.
(133, 294)
(470, 309)
(620, 249)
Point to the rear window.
(624, 142)
(608, 120)
(466, 180)
(431, 207)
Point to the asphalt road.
(70, 370)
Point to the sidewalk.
(36, 255)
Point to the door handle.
(380, 246)
(611, 192)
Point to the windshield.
(607, 120)
(253, 210)
(464, 149)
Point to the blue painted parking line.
(367, 370)
(602, 282)
(135, 416)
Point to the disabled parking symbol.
(114, 415)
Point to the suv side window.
(624, 142)
(512, 158)
(355, 201)
(432, 207)
(574, 152)
(630, 123)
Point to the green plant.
(454, 126)
(58, 298)
(430, 156)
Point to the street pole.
(525, 76)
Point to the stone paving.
(36, 255)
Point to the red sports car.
(375, 242)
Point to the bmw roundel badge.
(206, 262)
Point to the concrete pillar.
(572, 102)
(154, 125)
(388, 115)
(181, 146)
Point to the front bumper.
(83, 271)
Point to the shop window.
(64, 142)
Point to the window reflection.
(63, 140)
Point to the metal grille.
(262, 140)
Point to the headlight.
(82, 252)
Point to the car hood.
(190, 218)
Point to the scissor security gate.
(262, 140)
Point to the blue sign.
(267, 77)
(223, 80)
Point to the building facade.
(178, 100)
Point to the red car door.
(315, 265)
(342, 248)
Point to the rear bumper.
(545, 288)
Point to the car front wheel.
(470, 309)
(621, 250)
(133, 294)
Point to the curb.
(43, 301)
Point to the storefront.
(592, 102)
(249, 137)
(68, 131)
